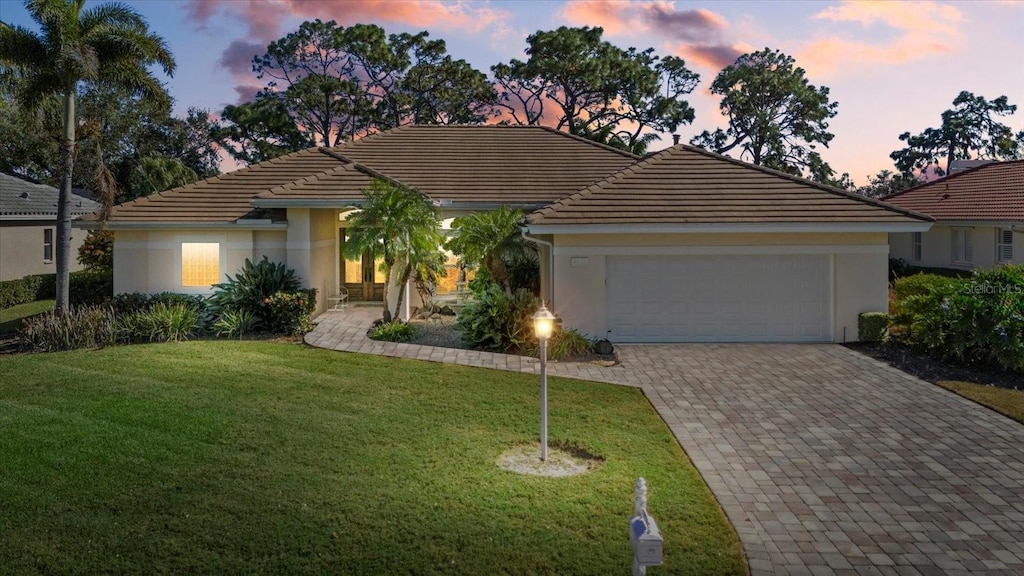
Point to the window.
(47, 244)
(200, 264)
(917, 247)
(963, 251)
(1004, 245)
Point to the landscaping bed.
(932, 370)
(223, 457)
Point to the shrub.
(78, 327)
(20, 291)
(394, 331)
(872, 326)
(236, 324)
(565, 344)
(496, 320)
(90, 287)
(97, 250)
(127, 303)
(921, 284)
(251, 288)
(161, 322)
(291, 312)
(975, 321)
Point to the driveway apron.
(826, 461)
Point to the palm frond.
(21, 47)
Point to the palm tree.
(110, 44)
(492, 240)
(395, 224)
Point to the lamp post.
(543, 324)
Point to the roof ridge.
(804, 181)
(600, 184)
(582, 139)
(949, 177)
(679, 148)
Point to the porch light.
(543, 324)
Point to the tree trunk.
(387, 288)
(63, 283)
(401, 290)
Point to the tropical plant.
(236, 324)
(251, 288)
(109, 44)
(399, 226)
(492, 239)
(497, 320)
(161, 322)
(394, 331)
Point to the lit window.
(917, 246)
(200, 264)
(48, 245)
(963, 250)
(1004, 245)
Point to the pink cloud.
(266, 18)
(922, 30)
(698, 35)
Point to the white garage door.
(719, 298)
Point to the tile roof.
(505, 164)
(688, 185)
(224, 198)
(475, 164)
(23, 198)
(993, 192)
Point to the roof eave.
(234, 225)
(729, 228)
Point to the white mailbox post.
(644, 536)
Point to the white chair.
(339, 301)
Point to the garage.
(762, 298)
(690, 246)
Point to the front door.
(362, 277)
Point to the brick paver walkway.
(825, 461)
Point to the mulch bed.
(932, 370)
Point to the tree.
(259, 130)
(589, 87)
(159, 173)
(819, 171)
(110, 44)
(776, 117)
(398, 225)
(887, 182)
(492, 240)
(338, 83)
(968, 130)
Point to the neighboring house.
(683, 246)
(979, 219)
(28, 227)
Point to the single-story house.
(683, 246)
(28, 227)
(979, 219)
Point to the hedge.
(87, 287)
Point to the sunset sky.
(892, 66)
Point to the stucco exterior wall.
(323, 249)
(21, 249)
(937, 247)
(859, 268)
(149, 261)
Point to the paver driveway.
(826, 461)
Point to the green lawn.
(11, 318)
(1007, 402)
(262, 457)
